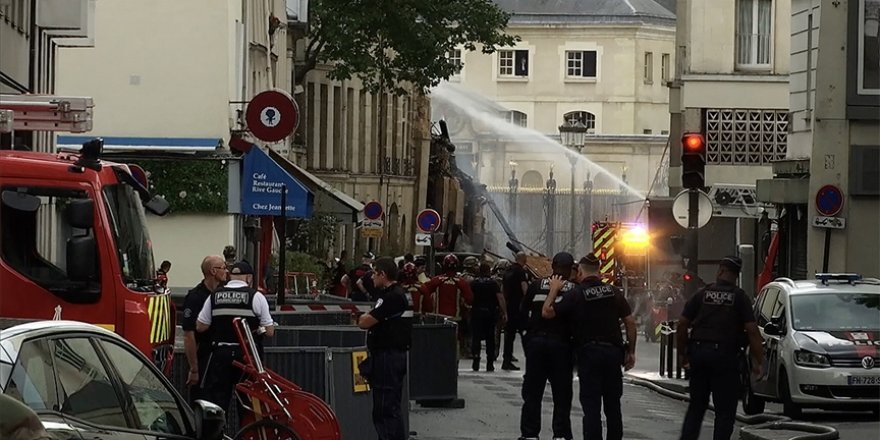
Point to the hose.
(756, 422)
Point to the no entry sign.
(272, 115)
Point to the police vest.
(537, 324)
(717, 319)
(228, 304)
(599, 319)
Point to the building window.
(664, 132)
(753, 26)
(518, 118)
(585, 118)
(513, 63)
(664, 68)
(745, 137)
(580, 63)
(649, 68)
(454, 57)
(647, 131)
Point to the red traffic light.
(693, 142)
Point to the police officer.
(595, 317)
(548, 355)
(717, 316)
(237, 299)
(514, 286)
(197, 345)
(388, 340)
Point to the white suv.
(821, 344)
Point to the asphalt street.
(493, 405)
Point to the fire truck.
(73, 240)
(622, 252)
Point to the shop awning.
(328, 200)
(262, 181)
(143, 143)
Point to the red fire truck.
(73, 239)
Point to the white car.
(821, 344)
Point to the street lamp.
(512, 186)
(572, 136)
(588, 205)
(550, 213)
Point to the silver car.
(86, 382)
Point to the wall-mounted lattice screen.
(745, 137)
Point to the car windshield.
(838, 311)
(132, 239)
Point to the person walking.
(595, 316)
(718, 317)
(548, 354)
(488, 302)
(237, 299)
(197, 345)
(514, 286)
(389, 336)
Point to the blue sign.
(829, 200)
(373, 210)
(428, 220)
(261, 185)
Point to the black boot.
(490, 366)
(476, 364)
(508, 366)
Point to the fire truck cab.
(74, 245)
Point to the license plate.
(863, 380)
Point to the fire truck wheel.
(266, 429)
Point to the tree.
(389, 43)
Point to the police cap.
(241, 268)
(590, 260)
(732, 263)
(563, 260)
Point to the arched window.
(518, 118)
(532, 179)
(585, 118)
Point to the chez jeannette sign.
(262, 183)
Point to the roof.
(802, 287)
(587, 11)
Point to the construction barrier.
(313, 317)
(318, 336)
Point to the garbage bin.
(433, 361)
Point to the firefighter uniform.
(548, 357)
(234, 300)
(594, 317)
(717, 315)
(409, 281)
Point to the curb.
(757, 423)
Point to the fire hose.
(756, 422)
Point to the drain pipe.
(756, 422)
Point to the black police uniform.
(600, 355)
(484, 316)
(548, 358)
(388, 342)
(513, 296)
(221, 375)
(192, 305)
(718, 314)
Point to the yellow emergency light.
(635, 240)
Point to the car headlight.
(809, 359)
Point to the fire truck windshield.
(133, 243)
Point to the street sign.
(373, 224)
(373, 210)
(829, 200)
(423, 239)
(372, 232)
(272, 115)
(680, 209)
(829, 222)
(428, 220)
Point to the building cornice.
(734, 77)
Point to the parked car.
(86, 382)
(821, 344)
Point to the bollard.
(662, 354)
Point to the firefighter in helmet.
(448, 294)
(470, 267)
(409, 280)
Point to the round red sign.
(272, 115)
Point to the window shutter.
(521, 66)
(589, 69)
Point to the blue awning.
(143, 143)
(261, 185)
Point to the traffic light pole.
(690, 286)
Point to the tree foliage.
(389, 43)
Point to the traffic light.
(687, 277)
(693, 161)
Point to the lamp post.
(588, 207)
(550, 212)
(512, 186)
(572, 136)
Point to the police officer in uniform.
(548, 355)
(389, 338)
(595, 317)
(717, 316)
(237, 299)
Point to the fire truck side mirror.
(82, 259)
(20, 201)
(81, 213)
(157, 205)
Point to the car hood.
(840, 344)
